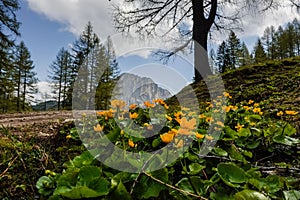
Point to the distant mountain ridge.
(135, 89)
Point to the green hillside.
(276, 83)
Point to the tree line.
(91, 65)
(17, 77)
(280, 43)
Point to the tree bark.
(201, 27)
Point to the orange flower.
(290, 112)
(184, 131)
(199, 136)
(148, 104)
(208, 137)
(256, 110)
(117, 103)
(185, 124)
(178, 114)
(132, 106)
(133, 115)
(106, 113)
(160, 101)
(226, 94)
(167, 137)
(98, 128)
(131, 143)
(250, 102)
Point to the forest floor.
(35, 123)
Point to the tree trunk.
(201, 29)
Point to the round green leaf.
(250, 195)
(231, 173)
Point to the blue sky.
(48, 25)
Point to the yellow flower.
(260, 113)
(98, 128)
(256, 105)
(133, 115)
(239, 126)
(166, 106)
(68, 136)
(201, 116)
(148, 104)
(118, 103)
(208, 137)
(131, 143)
(226, 108)
(280, 113)
(226, 94)
(168, 117)
(250, 102)
(209, 119)
(246, 107)
(199, 136)
(122, 132)
(132, 106)
(256, 110)
(290, 112)
(178, 143)
(246, 119)
(149, 127)
(220, 123)
(178, 114)
(167, 137)
(185, 124)
(234, 108)
(106, 113)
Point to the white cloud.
(75, 14)
(44, 91)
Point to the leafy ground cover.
(255, 151)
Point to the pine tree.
(9, 27)
(259, 52)
(222, 58)
(245, 55)
(25, 77)
(297, 36)
(234, 50)
(85, 49)
(61, 77)
(106, 87)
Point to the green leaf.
(195, 168)
(219, 152)
(229, 134)
(195, 182)
(289, 130)
(230, 173)
(156, 142)
(291, 195)
(80, 192)
(45, 185)
(253, 145)
(87, 174)
(286, 140)
(255, 117)
(274, 183)
(244, 132)
(255, 131)
(235, 154)
(250, 195)
(84, 159)
(120, 193)
(113, 134)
